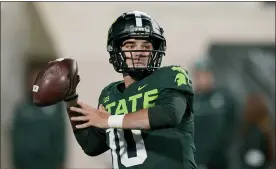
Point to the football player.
(146, 120)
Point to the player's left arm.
(170, 106)
(168, 111)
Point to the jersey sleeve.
(92, 139)
(175, 77)
(169, 109)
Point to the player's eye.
(147, 47)
(129, 46)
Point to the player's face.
(137, 58)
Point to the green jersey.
(148, 149)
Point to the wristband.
(116, 121)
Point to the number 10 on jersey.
(123, 146)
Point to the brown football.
(53, 82)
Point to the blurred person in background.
(256, 139)
(214, 111)
(38, 134)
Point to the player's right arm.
(92, 139)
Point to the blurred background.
(228, 48)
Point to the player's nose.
(137, 54)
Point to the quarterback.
(146, 120)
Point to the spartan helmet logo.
(133, 29)
(180, 79)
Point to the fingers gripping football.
(73, 77)
(56, 82)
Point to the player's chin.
(139, 65)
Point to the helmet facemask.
(137, 63)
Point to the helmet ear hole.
(111, 60)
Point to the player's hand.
(74, 81)
(91, 116)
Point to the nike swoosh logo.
(141, 87)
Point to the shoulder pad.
(174, 77)
(108, 89)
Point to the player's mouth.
(139, 64)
